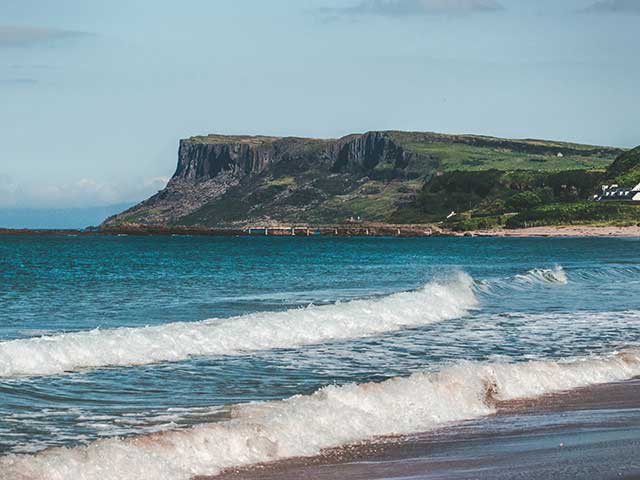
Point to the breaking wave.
(543, 275)
(50, 355)
(334, 416)
(532, 278)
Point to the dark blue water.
(536, 299)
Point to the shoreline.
(339, 230)
(591, 432)
(560, 231)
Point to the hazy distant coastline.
(57, 218)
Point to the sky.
(94, 95)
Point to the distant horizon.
(75, 218)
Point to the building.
(617, 193)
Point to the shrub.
(523, 201)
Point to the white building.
(617, 193)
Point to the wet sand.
(591, 433)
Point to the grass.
(282, 182)
(458, 156)
(488, 222)
(230, 139)
(429, 137)
(626, 169)
(372, 201)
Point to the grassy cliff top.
(434, 137)
(241, 139)
(478, 152)
(467, 152)
(416, 139)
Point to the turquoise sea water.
(70, 374)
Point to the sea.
(169, 357)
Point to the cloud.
(18, 81)
(8, 190)
(16, 36)
(155, 183)
(405, 8)
(80, 193)
(614, 6)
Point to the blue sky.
(95, 95)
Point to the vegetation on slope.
(578, 213)
(476, 153)
(626, 168)
(520, 198)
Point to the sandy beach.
(587, 433)
(560, 231)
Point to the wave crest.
(51, 355)
(544, 275)
(333, 416)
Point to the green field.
(521, 198)
(455, 156)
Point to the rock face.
(208, 167)
(204, 161)
(232, 180)
(362, 153)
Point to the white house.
(617, 193)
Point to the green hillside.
(475, 153)
(626, 168)
(521, 198)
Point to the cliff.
(232, 180)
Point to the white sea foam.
(436, 301)
(332, 417)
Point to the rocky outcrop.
(209, 166)
(199, 161)
(362, 153)
(179, 198)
